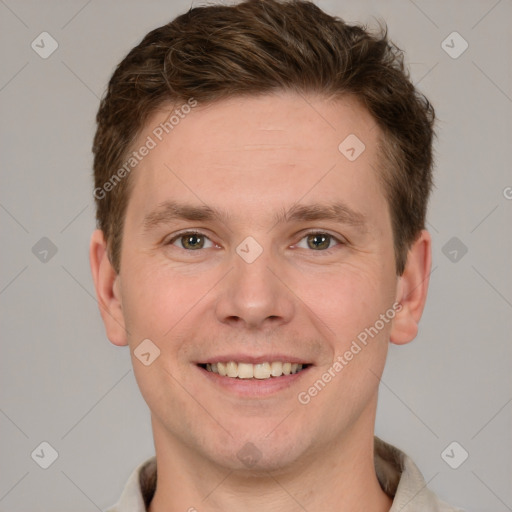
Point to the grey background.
(62, 381)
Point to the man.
(262, 173)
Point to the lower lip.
(254, 387)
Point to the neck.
(340, 477)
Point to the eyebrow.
(337, 211)
(169, 211)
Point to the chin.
(257, 456)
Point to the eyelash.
(332, 237)
(305, 235)
(184, 233)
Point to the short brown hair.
(215, 52)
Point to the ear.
(412, 290)
(106, 283)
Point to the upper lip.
(252, 359)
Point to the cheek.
(154, 300)
(348, 300)
(160, 387)
(351, 305)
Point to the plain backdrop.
(63, 383)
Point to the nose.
(254, 296)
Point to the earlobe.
(412, 290)
(106, 283)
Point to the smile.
(265, 370)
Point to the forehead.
(254, 152)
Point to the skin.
(255, 157)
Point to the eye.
(318, 241)
(191, 241)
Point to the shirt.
(397, 474)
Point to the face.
(250, 238)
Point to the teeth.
(256, 371)
(231, 369)
(276, 369)
(221, 367)
(262, 371)
(245, 371)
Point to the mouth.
(260, 371)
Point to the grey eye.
(191, 241)
(318, 241)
